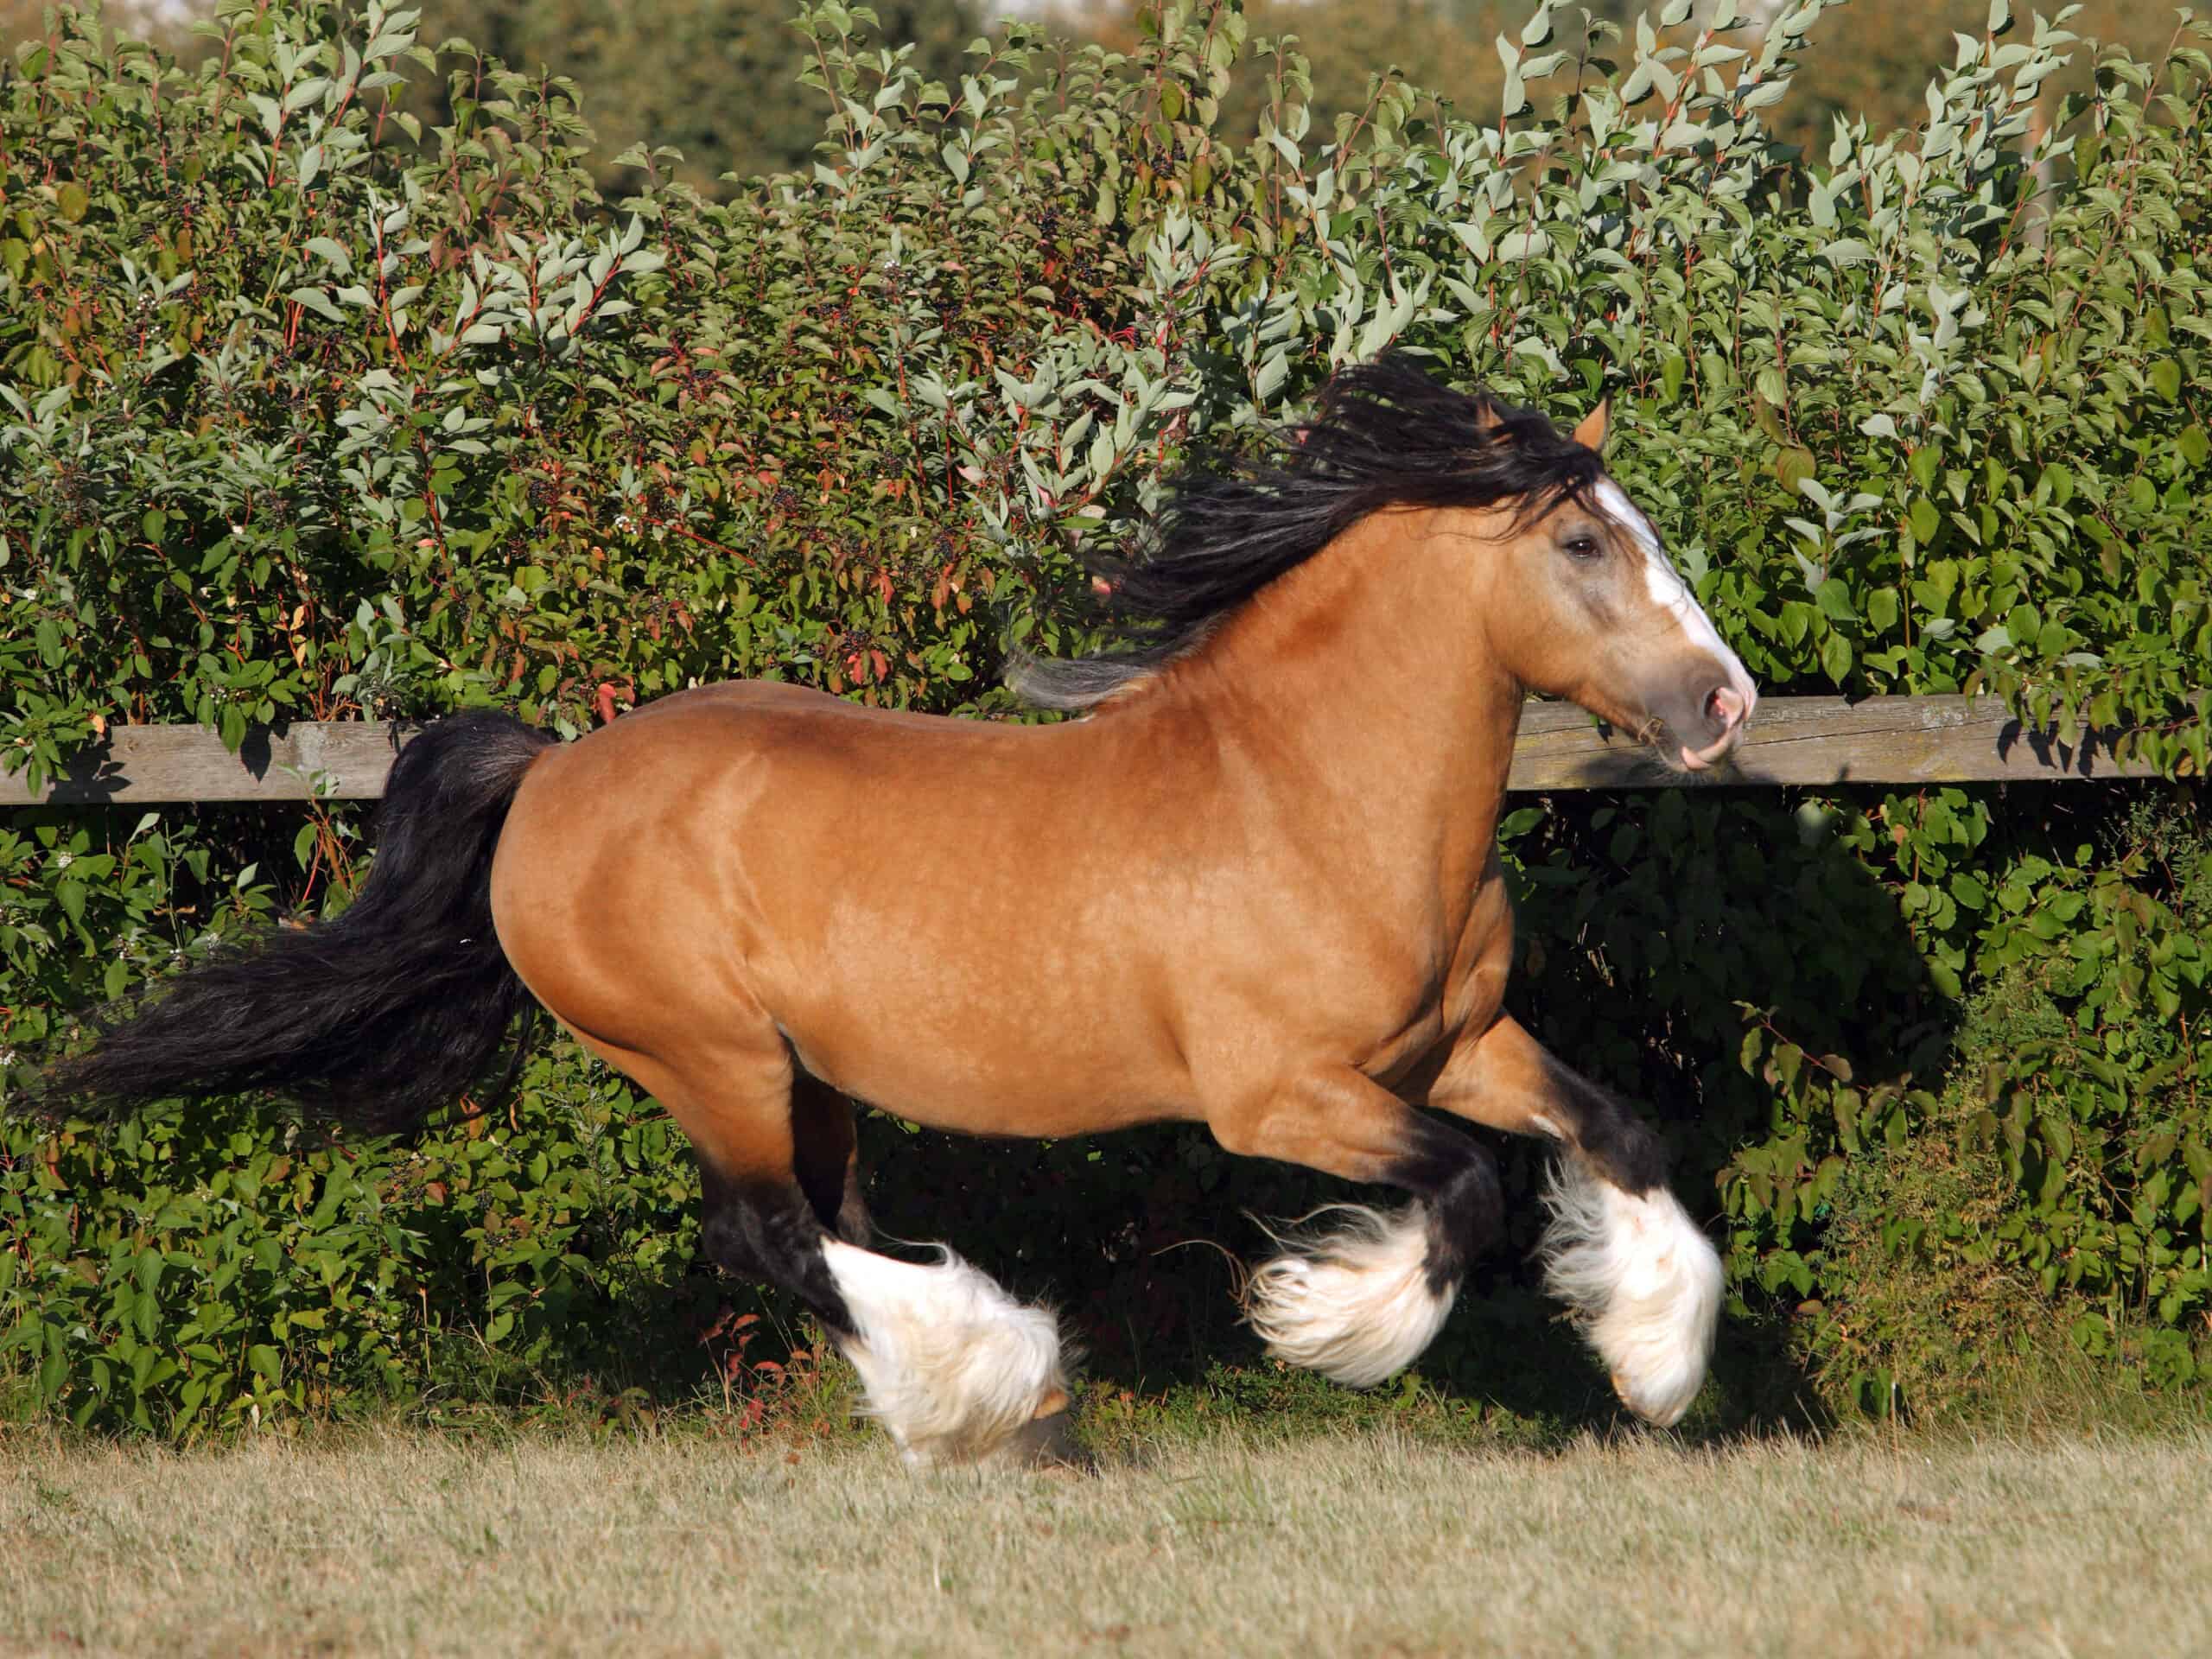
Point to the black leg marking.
(1626, 1150)
(1455, 1177)
(773, 1235)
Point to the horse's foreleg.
(1620, 1249)
(1360, 1303)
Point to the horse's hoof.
(1355, 1305)
(1647, 1283)
(955, 1368)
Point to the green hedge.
(310, 413)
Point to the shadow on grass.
(1151, 1301)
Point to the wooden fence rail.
(1792, 740)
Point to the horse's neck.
(1364, 671)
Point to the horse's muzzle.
(1722, 716)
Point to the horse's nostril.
(1724, 708)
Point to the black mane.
(1385, 434)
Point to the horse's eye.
(1583, 547)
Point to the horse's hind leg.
(954, 1368)
(1620, 1250)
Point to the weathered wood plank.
(148, 764)
(1792, 740)
(1821, 741)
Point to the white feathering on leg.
(1354, 1305)
(1646, 1281)
(955, 1367)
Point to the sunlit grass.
(1184, 1541)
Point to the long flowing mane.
(1385, 434)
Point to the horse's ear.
(1590, 432)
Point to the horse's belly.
(989, 1059)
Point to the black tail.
(382, 1016)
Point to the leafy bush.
(313, 414)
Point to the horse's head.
(1583, 603)
(1562, 579)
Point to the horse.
(1254, 885)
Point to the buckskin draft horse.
(1256, 887)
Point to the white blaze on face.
(1670, 593)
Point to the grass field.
(1234, 1541)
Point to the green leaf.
(332, 253)
(1835, 657)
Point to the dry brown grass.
(1367, 1544)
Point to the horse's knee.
(1239, 1130)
